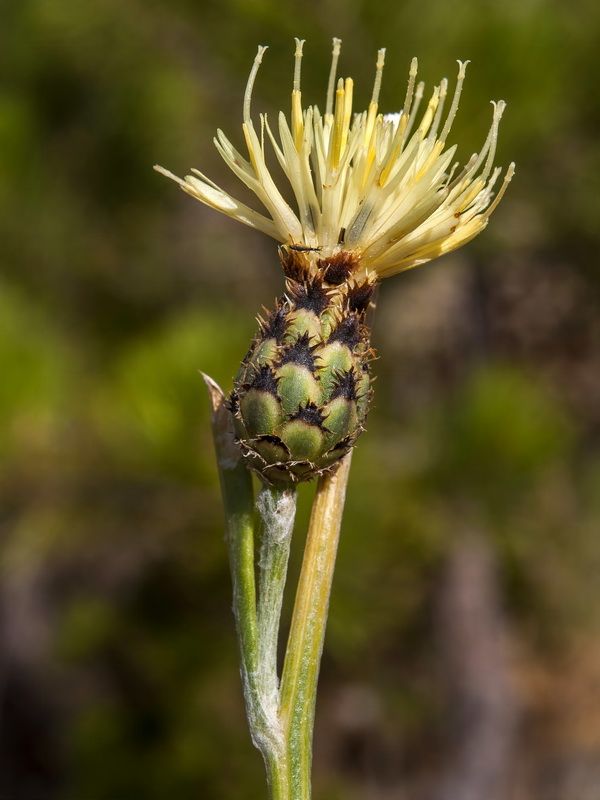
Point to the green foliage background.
(120, 677)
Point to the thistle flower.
(375, 195)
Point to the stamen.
(428, 116)
(378, 76)
(298, 63)
(418, 96)
(297, 122)
(438, 114)
(451, 173)
(412, 76)
(349, 92)
(498, 111)
(335, 146)
(250, 84)
(462, 71)
(466, 170)
(507, 179)
(375, 96)
(337, 46)
(490, 142)
(401, 122)
(492, 181)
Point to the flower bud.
(302, 392)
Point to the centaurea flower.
(374, 195)
(378, 185)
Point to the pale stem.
(277, 509)
(305, 643)
(281, 718)
(238, 500)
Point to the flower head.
(384, 187)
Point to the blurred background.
(463, 653)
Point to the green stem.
(238, 500)
(305, 643)
(281, 719)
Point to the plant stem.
(277, 508)
(255, 637)
(305, 643)
(281, 719)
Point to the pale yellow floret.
(362, 181)
(462, 71)
(335, 57)
(297, 121)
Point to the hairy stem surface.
(254, 630)
(277, 509)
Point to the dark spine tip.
(311, 414)
(271, 438)
(275, 327)
(359, 296)
(265, 381)
(345, 386)
(343, 445)
(233, 403)
(310, 294)
(300, 353)
(294, 263)
(348, 332)
(338, 268)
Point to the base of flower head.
(301, 395)
(287, 472)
